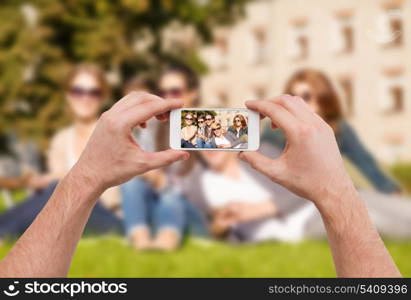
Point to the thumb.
(164, 158)
(263, 164)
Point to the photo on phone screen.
(214, 129)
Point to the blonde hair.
(216, 126)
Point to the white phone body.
(223, 117)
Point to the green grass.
(402, 173)
(112, 257)
(18, 196)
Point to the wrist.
(338, 208)
(85, 183)
(332, 190)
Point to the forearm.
(268, 209)
(357, 248)
(258, 211)
(46, 248)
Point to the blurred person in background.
(317, 90)
(242, 205)
(239, 127)
(153, 215)
(189, 132)
(86, 91)
(19, 160)
(143, 83)
(156, 215)
(178, 81)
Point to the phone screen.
(214, 129)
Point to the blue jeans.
(145, 207)
(203, 144)
(186, 144)
(15, 221)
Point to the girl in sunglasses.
(86, 92)
(317, 90)
(156, 215)
(189, 132)
(239, 127)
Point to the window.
(348, 36)
(260, 51)
(392, 97)
(299, 45)
(302, 42)
(397, 95)
(390, 27)
(343, 35)
(396, 28)
(222, 49)
(347, 89)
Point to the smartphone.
(228, 129)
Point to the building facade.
(363, 46)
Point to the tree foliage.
(40, 39)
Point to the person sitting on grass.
(156, 215)
(311, 167)
(153, 210)
(86, 92)
(243, 206)
(316, 88)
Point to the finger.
(278, 114)
(145, 111)
(261, 163)
(134, 98)
(298, 107)
(163, 116)
(273, 126)
(160, 159)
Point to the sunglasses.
(79, 92)
(171, 93)
(216, 128)
(209, 119)
(189, 119)
(307, 96)
(201, 121)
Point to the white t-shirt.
(221, 141)
(220, 190)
